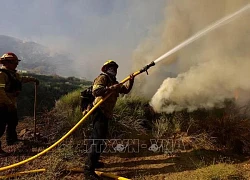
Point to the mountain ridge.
(35, 58)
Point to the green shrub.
(50, 89)
(218, 128)
(129, 117)
(69, 102)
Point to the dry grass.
(213, 131)
(225, 129)
(213, 172)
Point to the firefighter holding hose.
(103, 85)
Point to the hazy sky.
(136, 32)
(91, 30)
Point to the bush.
(224, 128)
(130, 117)
(50, 89)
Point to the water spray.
(201, 33)
(144, 69)
(198, 35)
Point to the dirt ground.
(143, 164)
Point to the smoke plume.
(210, 70)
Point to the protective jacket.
(11, 86)
(100, 86)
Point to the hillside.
(202, 145)
(51, 88)
(200, 155)
(36, 58)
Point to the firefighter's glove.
(132, 78)
(11, 108)
(37, 82)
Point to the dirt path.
(143, 164)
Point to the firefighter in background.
(104, 84)
(10, 87)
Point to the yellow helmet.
(108, 64)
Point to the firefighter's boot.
(89, 174)
(2, 152)
(99, 164)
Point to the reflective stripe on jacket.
(6, 97)
(103, 81)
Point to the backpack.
(13, 85)
(87, 98)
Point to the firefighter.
(10, 87)
(104, 84)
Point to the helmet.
(9, 56)
(108, 64)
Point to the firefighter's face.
(11, 65)
(112, 70)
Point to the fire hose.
(99, 173)
(144, 69)
(181, 45)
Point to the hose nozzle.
(145, 69)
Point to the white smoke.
(204, 86)
(211, 69)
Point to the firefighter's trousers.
(96, 143)
(8, 119)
